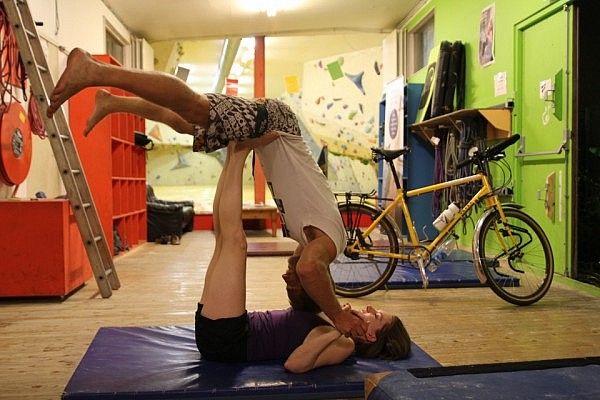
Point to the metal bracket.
(564, 146)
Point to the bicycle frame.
(485, 193)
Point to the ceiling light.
(270, 7)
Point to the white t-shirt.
(300, 190)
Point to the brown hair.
(393, 343)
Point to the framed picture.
(487, 27)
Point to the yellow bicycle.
(511, 253)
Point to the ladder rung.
(82, 205)
(76, 171)
(40, 67)
(30, 33)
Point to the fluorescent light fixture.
(270, 7)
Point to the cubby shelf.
(114, 166)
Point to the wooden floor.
(42, 341)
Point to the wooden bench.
(261, 211)
(203, 219)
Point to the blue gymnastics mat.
(163, 363)
(457, 271)
(451, 274)
(567, 382)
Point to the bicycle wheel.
(516, 258)
(354, 274)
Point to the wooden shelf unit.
(499, 122)
(114, 166)
(42, 251)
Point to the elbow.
(308, 271)
(295, 367)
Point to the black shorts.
(223, 339)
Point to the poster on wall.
(393, 138)
(487, 27)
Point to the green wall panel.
(460, 21)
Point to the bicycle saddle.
(389, 155)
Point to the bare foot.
(102, 109)
(74, 78)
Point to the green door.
(541, 117)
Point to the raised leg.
(157, 87)
(224, 293)
(107, 103)
(216, 223)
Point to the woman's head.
(386, 337)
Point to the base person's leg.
(224, 293)
(215, 218)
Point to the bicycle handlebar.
(490, 152)
(498, 148)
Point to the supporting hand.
(350, 324)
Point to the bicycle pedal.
(424, 276)
(425, 280)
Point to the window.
(421, 41)
(114, 47)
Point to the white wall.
(80, 23)
(66, 24)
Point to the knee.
(196, 110)
(234, 240)
(179, 125)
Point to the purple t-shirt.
(275, 334)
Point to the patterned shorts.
(238, 119)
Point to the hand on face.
(373, 319)
(349, 324)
